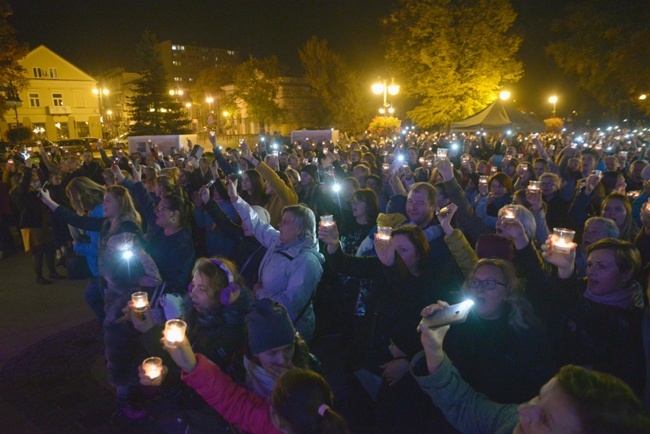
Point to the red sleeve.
(236, 404)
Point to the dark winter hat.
(269, 326)
(494, 246)
(310, 170)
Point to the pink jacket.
(236, 404)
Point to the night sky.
(97, 35)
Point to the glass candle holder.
(421, 161)
(140, 301)
(483, 179)
(533, 186)
(385, 166)
(152, 367)
(562, 239)
(441, 153)
(327, 220)
(493, 170)
(520, 157)
(384, 233)
(174, 331)
(509, 212)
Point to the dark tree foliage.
(12, 74)
(607, 51)
(153, 109)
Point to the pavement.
(53, 376)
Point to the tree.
(12, 74)
(335, 87)
(608, 52)
(452, 56)
(154, 110)
(384, 126)
(256, 84)
(18, 135)
(210, 81)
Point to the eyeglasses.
(160, 208)
(356, 202)
(488, 285)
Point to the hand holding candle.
(384, 233)
(562, 239)
(152, 367)
(140, 301)
(327, 220)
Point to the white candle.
(483, 179)
(384, 233)
(140, 300)
(562, 239)
(174, 331)
(152, 367)
(327, 220)
(533, 186)
(509, 213)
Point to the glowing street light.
(382, 88)
(643, 96)
(209, 100)
(100, 102)
(176, 92)
(504, 95)
(553, 100)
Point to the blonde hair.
(127, 211)
(84, 194)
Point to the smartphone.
(209, 184)
(453, 314)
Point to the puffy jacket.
(236, 404)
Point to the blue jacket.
(290, 273)
(91, 250)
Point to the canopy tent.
(499, 117)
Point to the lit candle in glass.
(520, 156)
(421, 160)
(385, 166)
(327, 220)
(562, 239)
(493, 169)
(174, 331)
(509, 212)
(442, 153)
(383, 233)
(483, 179)
(533, 186)
(152, 367)
(140, 300)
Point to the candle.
(152, 367)
(383, 233)
(174, 331)
(385, 166)
(442, 153)
(421, 160)
(140, 300)
(327, 220)
(493, 169)
(562, 239)
(520, 156)
(533, 186)
(509, 212)
(483, 179)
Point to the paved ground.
(52, 369)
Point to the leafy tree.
(154, 110)
(12, 74)
(256, 85)
(608, 52)
(335, 87)
(18, 135)
(452, 56)
(384, 126)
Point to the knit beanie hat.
(269, 326)
(310, 170)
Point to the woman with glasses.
(501, 349)
(168, 238)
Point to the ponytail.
(303, 399)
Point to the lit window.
(57, 99)
(178, 78)
(174, 47)
(54, 73)
(34, 100)
(176, 63)
(181, 47)
(38, 72)
(231, 52)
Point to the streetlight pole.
(553, 100)
(100, 103)
(381, 87)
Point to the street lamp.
(643, 96)
(381, 87)
(209, 100)
(504, 95)
(100, 102)
(176, 92)
(553, 100)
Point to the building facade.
(184, 63)
(59, 102)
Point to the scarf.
(628, 298)
(257, 379)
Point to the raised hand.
(182, 354)
(232, 189)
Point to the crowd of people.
(267, 251)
